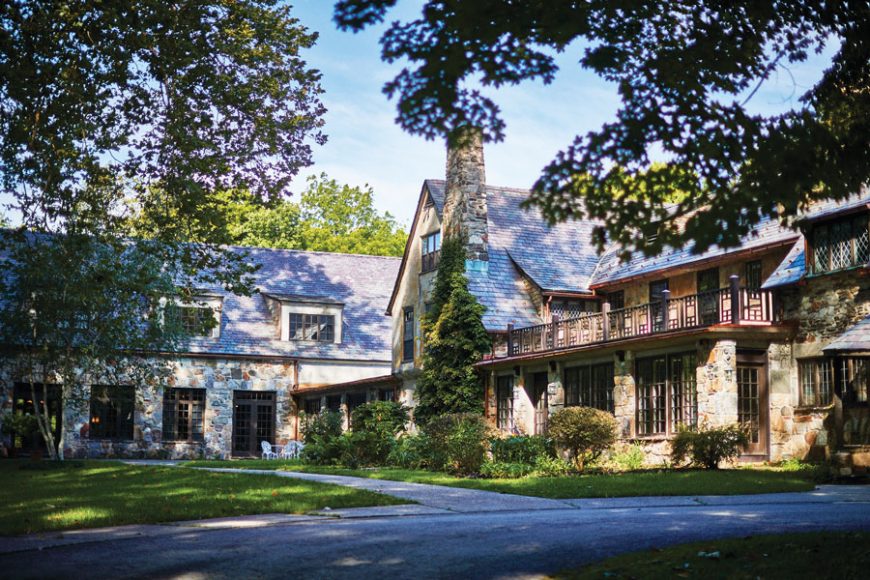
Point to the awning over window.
(854, 339)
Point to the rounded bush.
(707, 447)
(458, 442)
(584, 432)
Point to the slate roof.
(791, 269)
(854, 339)
(361, 283)
(557, 259)
(610, 270)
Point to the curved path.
(450, 533)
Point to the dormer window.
(431, 250)
(840, 244)
(199, 316)
(315, 327)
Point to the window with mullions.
(183, 414)
(590, 386)
(817, 381)
(312, 406)
(853, 377)
(505, 403)
(667, 393)
(431, 251)
(841, 244)
(196, 320)
(112, 412)
(408, 334)
(753, 275)
(315, 327)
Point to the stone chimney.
(465, 198)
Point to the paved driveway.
(440, 544)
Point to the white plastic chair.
(267, 450)
(292, 450)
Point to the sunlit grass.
(101, 493)
(640, 483)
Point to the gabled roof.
(791, 269)
(360, 283)
(768, 232)
(854, 339)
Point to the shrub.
(584, 432)
(628, 458)
(375, 427)
(322, 435)
(551, 467)
(411, 452)
(522, 449)
(505, 470)
(458, 442)
(707, 447)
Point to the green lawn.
(840, 555)
(642, 483)
(85, 494)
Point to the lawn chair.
(267, 450)
(292, 450)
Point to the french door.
(539, 398)
(752, 406)
(253, 421)
(708, 296)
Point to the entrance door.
(752, 405)
(539, 398)
(253, 421)
(657, 311)
(23, 404)
(708, 296)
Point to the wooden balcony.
(733, 305)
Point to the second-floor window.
(840, 244)
(431, 250)
(408, 335)
(197, 320)
(316, 327)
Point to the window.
(590, 386)
(111, 412)
(841, 244)
(387, 395)
(408, 334)
(316, 327)
(312, 406)
(333, 403)
(667, 393)
(197, 320)
(183, 414)
(616, 299)
(817, 381)
(753, 275)
(853, 379)
(565, 309)
(505, 403)
(354, 400)
(431, 250)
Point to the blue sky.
(366, 146)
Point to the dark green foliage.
(522, 449)
(455, 339)
(322, 435)
(375, 428)
(583, 431)
(505, 469)
(458, 442)
(686, 74)
(412, 452)
(708, 446)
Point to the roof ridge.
(320, 252)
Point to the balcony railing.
(723, 306)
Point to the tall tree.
(101, 102)
(454, 340)
(685, 72)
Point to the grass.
(638, 483)
(45, 496)
(841, 555)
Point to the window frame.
(828, 235)
(408, 341)
(112, 411)
(430, 253)
(752, 270)
(814, 373)
(582, 382)
(196, 407)
(663, 403)
(504, 402)
(314, 327)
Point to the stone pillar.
(624, 393)
(555, 389)
(465, 209)
(717, 382)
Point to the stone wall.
(220, 378)
(465, 206)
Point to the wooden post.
(554, 331)
(735, 299)
(510, 340)
(605, 322)
(666, 296)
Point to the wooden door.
(752, 406)
(657, 311)
(253, 421)
(539, 398)
(708, 296)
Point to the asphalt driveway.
(428, 542)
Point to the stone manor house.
(774, 334)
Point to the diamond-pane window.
(841, 244)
